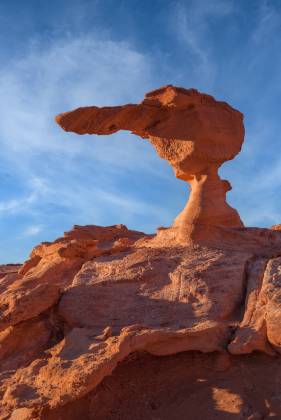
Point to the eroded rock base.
(82, 305)
(190, 386)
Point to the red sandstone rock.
(194, 133)
(276, 227)
(188, 385)
(9, 269)
(85, 302)
(52, 266)
(82, 306)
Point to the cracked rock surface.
(85, 304)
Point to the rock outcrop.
(84, 320)
(195, 134)
(84, 303)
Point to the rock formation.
(84, 320)
(9, 269)
(194, 133)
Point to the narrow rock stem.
(206, 207)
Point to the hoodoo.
(84, 320)
(195, 133)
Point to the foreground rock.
(82, 304)
(188, 385)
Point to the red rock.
(194, 133)
(6, 269)
(101, 302)
(52, 266)
(110, 292)
(276, 227)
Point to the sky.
(57, 55)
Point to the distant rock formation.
(194, 133)
(9, 269)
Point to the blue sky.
(60, 54)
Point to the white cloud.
(37, 188)
(64, 172)
(65, 74)
(32, 230)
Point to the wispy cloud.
(64, 178)
(32, 230)
(37, 189)
(192, 24)
(268, 20)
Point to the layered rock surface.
(84, 303)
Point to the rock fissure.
(252, 332)
(59, 326)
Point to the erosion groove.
(252, 332)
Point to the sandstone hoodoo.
(195, 133)
(84, 320)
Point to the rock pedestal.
(194, 133)
(206, 210)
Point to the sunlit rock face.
(81, 305)
(194, 133)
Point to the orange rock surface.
(189, 385)
(84, 320)
(194, 133)
(83, 304)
